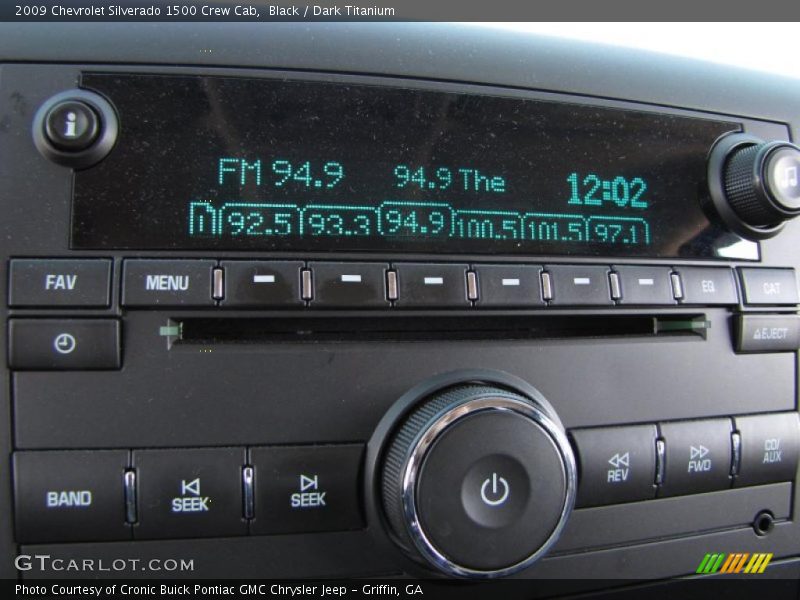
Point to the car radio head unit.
(415, 325)
(286, 165)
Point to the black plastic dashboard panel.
(273, 391)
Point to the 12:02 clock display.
(281, 165)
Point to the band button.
(73, 496)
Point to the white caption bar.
(510, 281)
(434, 280)
(263, 278)
(351, 278)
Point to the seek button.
(311, 488)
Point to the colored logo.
(741, 562)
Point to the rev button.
(167, 283)
(617, 464)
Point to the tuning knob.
(478, 480)
(755, 185)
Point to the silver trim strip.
(661, 461)
(417, 456)
(472, 286)
(306, 292)
(677, 286)
(547, 286)
(248, 492)
(219, 283)
(736, 453)
(131, 515)
(616, 289)
(391, 285)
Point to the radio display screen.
(283, 165)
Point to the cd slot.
(205, 331)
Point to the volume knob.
(755, 185)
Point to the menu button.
(167, 283)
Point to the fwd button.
(306, 488)
(698, 456)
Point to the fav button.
(167, 282)
(698, 457)
(59, 282)
(307, 488)
(189, 493)
(64, 344)
(73, 496)
(617, 464)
